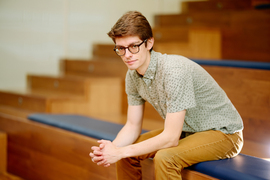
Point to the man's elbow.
(175, 143)
(172, 143)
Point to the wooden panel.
(248, 89)
(95, 68)
(104, 51)
(7, 176)
(239, 41)
(33, 146)
(237, 32)
(23, 101)
(101, 94)
(3, 152)
(206, 19)
(58, 85)
(44, 103)
(203, 43)
(106, 95)
(171, 34)
(215, 5)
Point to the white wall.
(36, 34)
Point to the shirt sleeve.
(134, 99)
(179, 89)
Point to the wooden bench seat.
(242, 166)
(34, 152)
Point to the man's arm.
(133, 127)
(126, 136)
(168, 138)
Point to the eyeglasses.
(133, 48)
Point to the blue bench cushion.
(91, 127)
(242, 167)
(231, 63)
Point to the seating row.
(240, 167)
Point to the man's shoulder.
(169, 61)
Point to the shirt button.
(149, 87)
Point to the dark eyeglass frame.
(115, 49)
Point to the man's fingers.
(95, 148)
(101, 146)
(97, 153)
(102, 163)
(98, 159)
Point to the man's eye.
(120, 48)
(134, 46)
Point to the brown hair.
(133, 23)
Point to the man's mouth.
(130, 62)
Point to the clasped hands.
(105, 154)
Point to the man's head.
(133, 23)
(133, 38)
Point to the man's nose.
(128, 53)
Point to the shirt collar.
(151, 70)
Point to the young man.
(201, 124)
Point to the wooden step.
(215, 5)
(103, 94)
(42, 103)
(104, 51)
(223, 19)
(171, 34)
(237, 29)
(202, 43)
(58, 85)
(94, 68)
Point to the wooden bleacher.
(37, 151)
(245, 31)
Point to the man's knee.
(166, 158)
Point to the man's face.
(138, 61)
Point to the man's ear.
(150, 43)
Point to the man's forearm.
(127, 135)
(153, 144)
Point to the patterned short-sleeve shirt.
(173, 83)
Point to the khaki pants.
(192, 149)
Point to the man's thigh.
(203, 146)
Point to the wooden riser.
(94, 68)
(103, 94)
(215, 5)
(202, 43)
(104, 51)
(58, 85)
